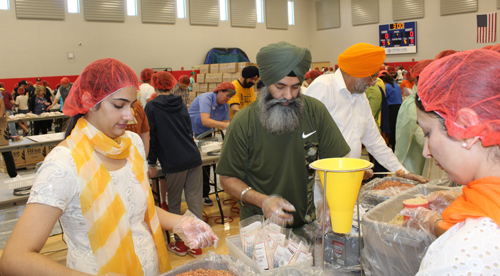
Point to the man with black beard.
(270, 143)
(245, 94)
(343, 95)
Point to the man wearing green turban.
(270, 143)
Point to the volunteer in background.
(458, 111)
(192, 80)
(172, 136)
(245, 94)
(269, 145)
(62, 93)
(22, 108)
(146, 90)
(96, 182)
(310, 77)
(210, 110)
(343, 95)
(8, 103)
(182, 89)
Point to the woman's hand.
(440, 200)
(422, 218)
(152, 171)
(194, 232)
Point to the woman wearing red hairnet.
(459, 113)
(96, 182)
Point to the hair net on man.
(312, 74)
(21, 91)
(451, 84)
(98, 80)
(184, 79)
(224, 86)
(146, 74)
(45, 83)
(163, 80)
(445, 53)
(65, 80)
(391, 69)
(417, 69)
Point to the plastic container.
(370, 197)
(390, 249)
(235, 249)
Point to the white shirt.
(471, 247)
(353, 116)
(57, 185)
(146, 91)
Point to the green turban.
(277, 60)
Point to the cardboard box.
(192, 96)
(213, 78)
(204, 68)
(214, 68)
(203, 87)
(199, 93)
(227, 77)
(19, 158)
(242, 65)
(196, 87)
(34, 155)
(4, 137)
(48, 149)
(236, 75)
(232, 67)
(200, 78)
(223, 68)
(212, 86)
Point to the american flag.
(487, 27)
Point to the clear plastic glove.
(411, 176)
(440, 200)
(275, 206)
(194, 232)
(421, 218)
(368, 174)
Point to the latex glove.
(368, 174)
(275, 206)
(440, 200)
(411, 176)
(194, 232)
(421, 218)
(152, 171)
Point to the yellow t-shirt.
(243, 97)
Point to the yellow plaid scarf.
(105, 216)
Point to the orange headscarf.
(361, 60)
(481, 198)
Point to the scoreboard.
(398, 38)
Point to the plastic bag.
(249, 228)
(440, 200)
(194, 232)
(212, 260)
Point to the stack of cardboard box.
(211, 75)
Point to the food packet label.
(278, 254)
(274, 228)
(260, 256)
(248, 244)
(339, 250)
(289, 253)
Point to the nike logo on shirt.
(307, 135)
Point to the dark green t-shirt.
(279, 164)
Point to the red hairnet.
(487, 47)
(382, 68)
(184, 79)
(445, 53)
(30, 83)
(224, 86)
(391, 69)
(21, 91)
(331, 68)
(312, 74)
(450, 84)
(65, 80)
(381, 72)
(146, 74)
(39, 83)
(407, 75)
(415, 71)
(163, 80)
(45, 83)
(98, 80)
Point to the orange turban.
(361, 60)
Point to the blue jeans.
(12, 126)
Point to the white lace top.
(471, 247)
(56, 185)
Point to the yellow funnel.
(344, 177)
